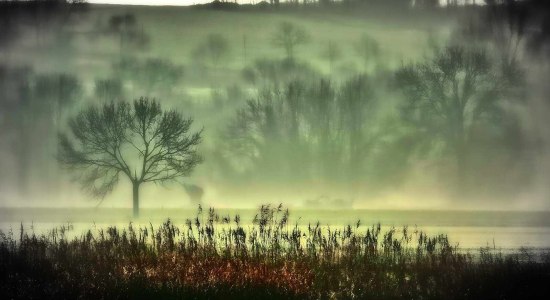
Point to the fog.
(354, 104)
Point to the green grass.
(215, 256)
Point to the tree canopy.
(140, 141)
(288, 36)
(447, 95)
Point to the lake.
(506, 230)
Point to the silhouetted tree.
(288, 36)
(332, 53)
(109, 90)
(265, 71)
(368, 49)
(511, 29)
(449, 94)
(354, 100)
(150, 76)
(43, 15)
(517, 32)
(35, 105)
(502, 26)
(15, 117)
(158, 74)
(9, 28)
(216, 47)
(141, 142)
(303, 131)
(326, 136)
(128, 31)
(57, 92)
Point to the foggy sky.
(213, 91)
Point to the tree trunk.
(136, 198)
(462, 164)
(461, 167)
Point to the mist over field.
(317, 106)
(314, 149)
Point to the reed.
(216, 256)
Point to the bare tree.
(215, 48)
(450, 94)
(369, 51)
(218, 47)
(332, 53)
(57, 93)
(108, 90)
(130, 34)
(152, 76)
(303, 129)
(288, 36)
(139, 141)
(355, 101)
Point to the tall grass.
(216, 256)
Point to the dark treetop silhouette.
(140, 141)
(450, 93)
(288, 36)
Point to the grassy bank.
(215, 256)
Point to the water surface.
(507, 230)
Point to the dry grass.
(214, 256)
